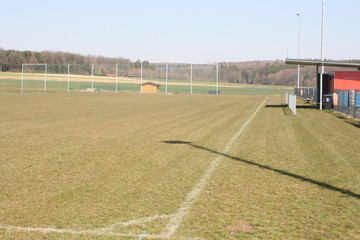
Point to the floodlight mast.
(322, 52)
(298, 80)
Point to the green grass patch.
(89, 161)
(37, 86)
(58, 83)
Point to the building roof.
(322, 63)
(151, 83)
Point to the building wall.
(347, 80)
(148, 88)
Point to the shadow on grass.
(283, 106)
(306, 106)
(276, 106)
(355, 123)
(262, 166)
(297, 106)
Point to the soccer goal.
(33, 77)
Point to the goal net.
(33, 78)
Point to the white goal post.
(32, 64)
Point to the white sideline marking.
(72, 231)
(175, 221)
(133, 222)
(100, 231)
(90, 232)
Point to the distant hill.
(271, 73)
(11, 60)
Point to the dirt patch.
(239, 226)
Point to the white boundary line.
(108, 231)
(71, 231)
(133, 222)
(89, 232)
(175, 219)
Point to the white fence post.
(116, 84)
(22, 77)
(92, 78)
(217, 78)
(45, 78)
(191, 78)
(141, 77)
(68, 78)
(166, 78)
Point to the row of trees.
(12, 60)
(266, 73)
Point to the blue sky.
(196, 31)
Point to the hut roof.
(151, 83)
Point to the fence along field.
(106, 166)
(174, 78)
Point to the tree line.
(12, 60)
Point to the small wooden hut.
(150, 87)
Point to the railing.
(291, 102)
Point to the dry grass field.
(58, 83)
(132, 166)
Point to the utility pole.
(298, 80)
(322, 53)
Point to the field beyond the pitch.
(83, 163)
(63, 83)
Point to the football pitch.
(132, 166)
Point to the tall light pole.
(298, 80)
(322, 52)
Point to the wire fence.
(172, 78)
(308, 94)
(345, 101)
(348, 102)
